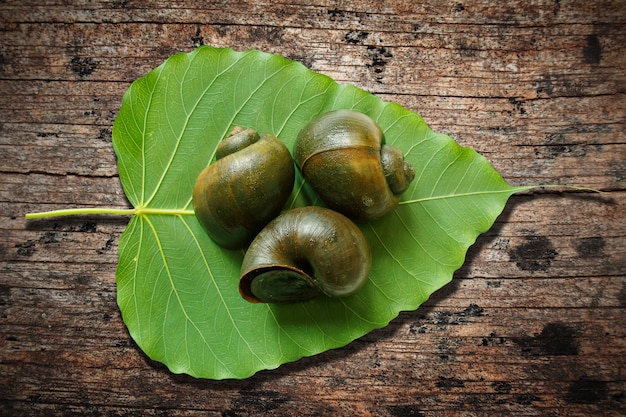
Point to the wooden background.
(532, 325)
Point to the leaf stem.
(80, 211)
(570, 187)
(113, 211)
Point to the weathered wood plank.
(514, 70)
(318, 13)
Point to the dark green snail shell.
(342, 155)
(245, 188)
(302, 254)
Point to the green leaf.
(177, 290)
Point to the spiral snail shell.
(302, 254)
(342, 155)
(245, 188)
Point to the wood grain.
(533, 323)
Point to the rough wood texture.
(532, 325)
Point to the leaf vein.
(217, 289)
(174, 292)
(394, 258)
(180, 136)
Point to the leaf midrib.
(145, 211)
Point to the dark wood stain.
(405, 411)
(83, 66)
(535, 254)
(587, 391)
(592, 52)
(591, 246)
(556, 339)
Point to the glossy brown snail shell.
(302, 254)
(342, 155)
(245, 188)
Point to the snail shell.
(342, 155)
(304, 253)
(245, 187)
